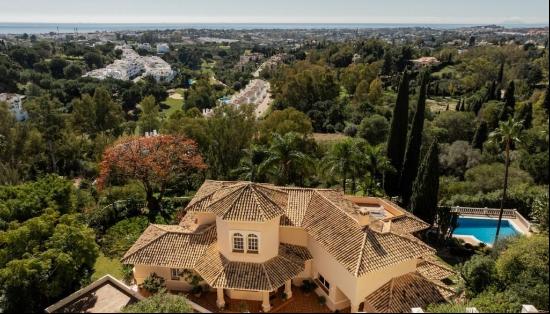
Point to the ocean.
(41, 28)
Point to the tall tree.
(287, 160)
(426, 186)
(509, 102)
(343, 161)
(156, 162)
(525, 115)
(480, 136)
(397, 140)
(149, 119)
(506, 135)
(412, 155)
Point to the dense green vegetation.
(391, 139)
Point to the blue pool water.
(484, 229)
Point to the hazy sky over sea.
(276, 11)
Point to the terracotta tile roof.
(219, 272)
(433, 270)
(170, 246)
(402, 293)
(298, 200)
(408, 223)
(325, 214)
(243, 201)
(360, 250)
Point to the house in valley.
(248, 241)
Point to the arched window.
(252, 243)
(238, 242)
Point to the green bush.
(153, 283)
(120, 237)
(161, 302)
(478, 273)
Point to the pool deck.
(518, 224)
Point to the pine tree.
(480, 136)
(412, 155)
(509, 103)
(426, 186)
(397, 139)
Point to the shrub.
(153, 283)
(478, 273)
(120, 237)
(161, 302)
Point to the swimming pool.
(484, 229)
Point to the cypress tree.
(546, 101)
(509, 102)
(457, 107)
(525, 115)
(476, 106)
(501, 73)
(397, 139)
(491, 91)
(426, 186)
(412, 155)
(480, 136)
(461, 107)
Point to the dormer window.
(252, 245)
(238, 242)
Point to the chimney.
(386, 227)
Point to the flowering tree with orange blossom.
(155, 161)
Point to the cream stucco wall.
(244, 295)
(143, 271)
(343, 285)
(368, 283)
(293, 235)
(205, 218)
(268, 233)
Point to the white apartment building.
(15, 105)
(163, 48)
(133, 65)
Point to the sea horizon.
(47, 27)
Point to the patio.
(299, 303)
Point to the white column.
(288, 288)
(266, 306)
(220, 302)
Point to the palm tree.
(376, 164)
(249, 167)
(343, 161)
(286, 159)
(505, 135)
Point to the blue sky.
(273, 11)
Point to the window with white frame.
(252, 243)
(324, 282)
(238, 242)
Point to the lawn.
(172, 103)
(105, 265)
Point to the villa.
(252, 241)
